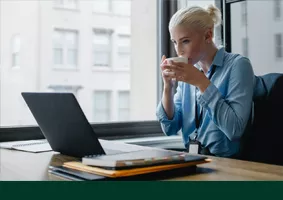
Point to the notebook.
(130, 172)
(34, 146)
(141, 158)
(75, 175)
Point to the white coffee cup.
(178, 59)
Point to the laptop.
(68, 131)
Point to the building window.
(67, 4)
(277, 9)
(102, 44)
(16, 47)
(124, 51)
(278, 45)
(101, 6)
(65, 49)
(245, 45)
(119, 7)
(124, 106)
(244, 13)
(122, 7)
(102, 106)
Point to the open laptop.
(68, 131)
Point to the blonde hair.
(196, 16)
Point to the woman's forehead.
(181, 31)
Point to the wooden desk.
(22, 166)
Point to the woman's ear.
(209, 35)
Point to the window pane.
(72, 57)
(124, 100)
(53, 40)
(71, 39)
(58, 56)
(278, 45)
(101, 58)
(15, 60)
(124, 104)
(101, 108)
(69, 4)
(101, 48)
(277, 9)
(101, 6)
(58, 39)
(122, 7)
(245, 47)
(101, 37)
(264, 34)
(65, 44)
(16, 43)
(124, 60)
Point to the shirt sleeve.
(231, 113)
(171, 127)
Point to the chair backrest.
(264, 142)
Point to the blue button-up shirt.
(226, 103)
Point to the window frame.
(64, 7)
(109, 94)
(277, 5)
(119, 92)
(65, 65)
(16, 51)
(245, 45)
(110, 10)
(277, 46)
(110, 33)
(121, 130)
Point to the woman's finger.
(171, 68)
(163, 59)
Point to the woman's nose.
(180, 50)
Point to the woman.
(214, 95)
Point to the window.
(16, 47)
(117, 7)
(68, 4)
(124, 50)
(65, 49)
(101, 106)
(56, 42)
(102, 48)
(245, 46)
(244, 13)
(124, 106)
(278, 45)
(264, 43)
(101, 6)
(122, 7)
(277, 9)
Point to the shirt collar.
(219, 57)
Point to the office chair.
(264, 140)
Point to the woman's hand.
(186, 73)
(167, 78)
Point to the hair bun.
(215, 14)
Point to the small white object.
(178, 59)
(193, 148)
